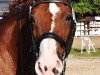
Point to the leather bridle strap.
(35, 2)
(60, 41)
(53, 36)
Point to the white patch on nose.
(48, 51)
(48, 57)
(48, 45)
(53, 9)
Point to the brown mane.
(15, 6)
(10, 38)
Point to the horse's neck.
(9, 32)
(8, 49)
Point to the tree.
(96, 4)
(87, 6)
(83, 7)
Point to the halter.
(65, 45)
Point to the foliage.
(97, 9)
(85, 1)
(87, 6)
(83, 8)
(96, 4)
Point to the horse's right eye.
(68, 18)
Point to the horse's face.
(54, 18)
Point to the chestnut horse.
(53, 32)
(11, 41)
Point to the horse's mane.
(15, 9)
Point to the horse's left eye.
(68, 18)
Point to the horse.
(11, 41)
(53, 34)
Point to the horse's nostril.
(40, 67)
(55, 71)
(45, 68)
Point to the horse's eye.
(68, 18)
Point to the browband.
(52, 1)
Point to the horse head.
(52, 26)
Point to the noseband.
(65, 45)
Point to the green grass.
(77, 52)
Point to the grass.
(77, 52)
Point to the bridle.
(65, 45)
(35, 2)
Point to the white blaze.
(48, 46)
(53, 9)
(48, 52)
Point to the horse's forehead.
(42, 7)
(51, 18)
